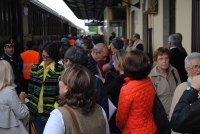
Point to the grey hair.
(97, 48)
(180, 36)
(191, 56)
(174, 39)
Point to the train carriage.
(25, 20)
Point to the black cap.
(9, 43)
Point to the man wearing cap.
(64, 40)
(7, 55)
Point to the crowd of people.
(84, 85)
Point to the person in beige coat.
(192, 62)
(12, 107)
(165, 78)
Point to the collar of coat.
(155, 71)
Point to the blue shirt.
(110, 63)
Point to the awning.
(90, 9)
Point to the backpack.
(160, 117)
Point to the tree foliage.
(93, 29)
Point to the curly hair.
(80, 83)
(136, 65)
(160, 51)
(51, 49)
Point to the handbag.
(74, 120)
(160, 117)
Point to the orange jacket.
(134, 112)
(29, 58)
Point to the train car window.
(4, 17)
(9, 17)
(44, 25)
(37, 24)
(40, 23)
(30, 20)
(33, 26)
(1, 17)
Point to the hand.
(22, 96)
(102, 79)
(195, 83)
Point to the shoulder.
(57, 112)
(35, 66)
(102, 110)
(141, 83)
(59, 67)
(120, 77)
(181, 87)
(153, 72)
(3, 57)
(134, 86)
(33, 51)
(9, 90)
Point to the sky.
(61, 8)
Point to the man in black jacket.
(185, 118)
(138, 43)
(9, 48)
(177, 57)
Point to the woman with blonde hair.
(12, 107)
(113, 89)
(78, 105)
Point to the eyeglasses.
(45, 57)
(195, 67)
(163, 59)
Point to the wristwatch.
(191, 88)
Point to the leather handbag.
(74, 120)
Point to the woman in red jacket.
(134, 114)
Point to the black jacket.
(113, 90)
(177, 61)
(186, 115)
(15, 66)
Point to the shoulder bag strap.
(75, 122)
(174, 77)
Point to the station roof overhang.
(90, 9)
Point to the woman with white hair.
(192, 66)
(12, 107)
